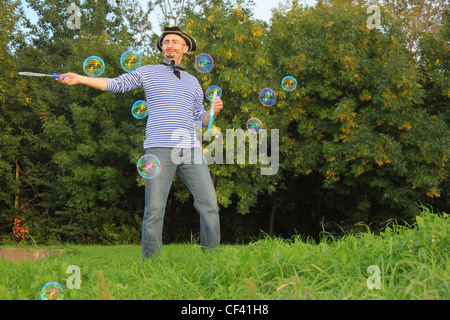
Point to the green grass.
(413, 262)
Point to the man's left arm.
(218, 106)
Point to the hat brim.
(190, 41)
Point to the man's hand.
(73, 79)
(218, 105)
(70, 78)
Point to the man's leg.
(156, 193)
(198, 180)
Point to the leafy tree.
(363, 137)
(12, 101)
(434, 65)
(357, 117)
(415, 17)
(79, 144)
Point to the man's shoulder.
(191, 77)
(149, 67)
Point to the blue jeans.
(190, 165)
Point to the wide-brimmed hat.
(190, 42)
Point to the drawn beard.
(170, 55)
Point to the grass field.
(413, 263)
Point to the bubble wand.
(33, 74)
(211, 112)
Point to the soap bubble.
(254, 125)
(139, 109)
(93, 66)
(130, 60)
(148, 166)
(289, 83)
(52, 291)
(204, 63)
(267, 97)
(210, 92)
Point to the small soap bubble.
(130, 60)
(267, 97)
(289, 83)
(148, 166)
(52, 291)
(254, 125)
(93, 66)
(210, 92)
(204, 63)
(139, 110)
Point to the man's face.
(174, 47)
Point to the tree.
(357, 117)
(12, 101)
(363, 137)
(173, 12)
(415, 17)
(79, 146)
(434, 65)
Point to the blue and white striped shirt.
(174, 105)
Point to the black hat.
(190, 42)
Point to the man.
(175, 104)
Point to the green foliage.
(77, 145)
(363, 138)
(358, 117)
(12, 100)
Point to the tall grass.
(413, 263)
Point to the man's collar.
(176, 65)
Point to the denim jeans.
(190, 165)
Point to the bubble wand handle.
(211, 112)
(57, 76)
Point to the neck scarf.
(176, 67)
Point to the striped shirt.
(175, 105)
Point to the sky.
(262, 11)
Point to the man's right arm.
(73, 79)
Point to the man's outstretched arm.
(73, 79)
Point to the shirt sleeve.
(125, 82)
(199, 109)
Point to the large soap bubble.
(254, 125)
(52, 291)
(93, 66)
(210, 92)
(289, 83)
(267, 97)
(139, 110)
(148, 166)
(130, 60)
(204, 63)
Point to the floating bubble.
(267, 97)
(148, 166)
(52, 291)
(254, 125)
(130, 60)
(139, 109)
(210, 92)
(204, 63)
(289, 83)
(93, 66)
